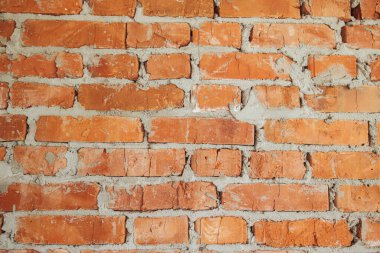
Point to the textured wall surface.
(132, 126)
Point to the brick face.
(54, 7)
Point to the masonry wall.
(189, 126)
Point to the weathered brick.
(378, 132)
(277, 164)
(70, 230)
(131, 162)
(68, 196)
(27, 95)
(327, 68)
(173, 195)
(216, 162)
(368, 9)
(170, 66)
(218, 34)
(275, 197)
(242, 66)
(117, 66)
(5, 63)
(201, 130)
(215, 97)
(13, 127)
(222, 230)
(130, 97)
(370, 232)
(293, 35)
(55, 7)
(6, 30)
(260, 8)
(375, 70)
(361, 36)
(33, 160)
(315, 131)
(174, 8)
(163, 230)
(4, 90)
(113, 7)
(358, 198)
(155, 35)
(278, 96)
(328, 8)
(309, 232)
(89, 129)
(3, 152)
(74, 34)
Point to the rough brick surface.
(214, 34)
(358, 198)
(361, 36)
(173, 8)
(169, 66)
(278, 96)
(216, 97)
(118, 66)
(7, 28)
(328, 8)
(55, 7)
(4, 93)
(371, 232)
(329, 68)
(368, 9)
(13, 127)
(113, 7)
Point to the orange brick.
(155, 35)
(3, 152)
(260, 8)
(201, 130)
(278, 96)
(163, 230)
(216, 97)
(315, 131)
(130, 97)
(375, 70)
(368, 9)
(361, 36)
(173, 196)
(131, 162)
(370, 232)
(277, 164)
(241, 66)
(331, 67)
(4, 90)
(13, 127)
(216, 162)
(309, 232)
(70, 230)
(174, 8)
(117, 66)
(74, 34)
(169, 66)
(218, 34)
(69, 196)
(293, 35)
(27, 95)
(344, 99)
(113, 7)
(5, 63)
(47, 161)
(358, 198)
(345, 165)
(93, 129)
(378, 132)
(222, 230)
(6, 30)
(55, 7)
(328, 8)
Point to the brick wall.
(132, 126)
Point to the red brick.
(275, 197)
(309, 232)
(74, 34)
(358, 198)
(222, 230)
(173, 196)
(370, 232)
(130, 97)
(27, 95)
(69, 196)
(131, 162)
(378, 132)
(293, 35)
(260, 8)
(163, 230)
(218, 34)
(170, 66)
(331, 67)
(315, 131)
(344, 99)
(345, 165)
(328, 8)
(5, 63)
(174, 8)
(241, 66)
(375, 70)
(113, 7)
(278, 96)
(89, 129)
(277, 164)
(201, 130)
(70, 230)
(4, 90)
(55, 7)
(3, 152)
(155, 35)
(50, 66)
(361, 36)
(215, 97)
(33, 160)
(117, 66)
(6, 30)
(12, 127)
(216, 162)
(368, 9)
